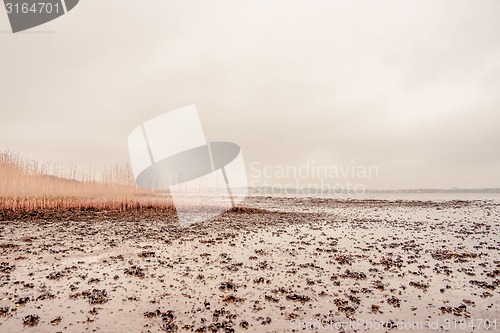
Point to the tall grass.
(31, 185)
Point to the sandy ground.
(274, 265)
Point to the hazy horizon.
(410, 88)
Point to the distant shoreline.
(422, 190)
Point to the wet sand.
(272, 265)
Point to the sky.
(410, 89)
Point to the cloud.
(409, 86)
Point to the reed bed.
(31, 185)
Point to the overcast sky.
(411, 87)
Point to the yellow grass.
(26, 185)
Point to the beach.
(272, 264)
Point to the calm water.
(400, 196)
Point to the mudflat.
(271, 265)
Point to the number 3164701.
(35, 8)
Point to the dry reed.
(30, 185)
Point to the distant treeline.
(434, 190)
(287, 190)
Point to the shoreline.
(271, 265)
